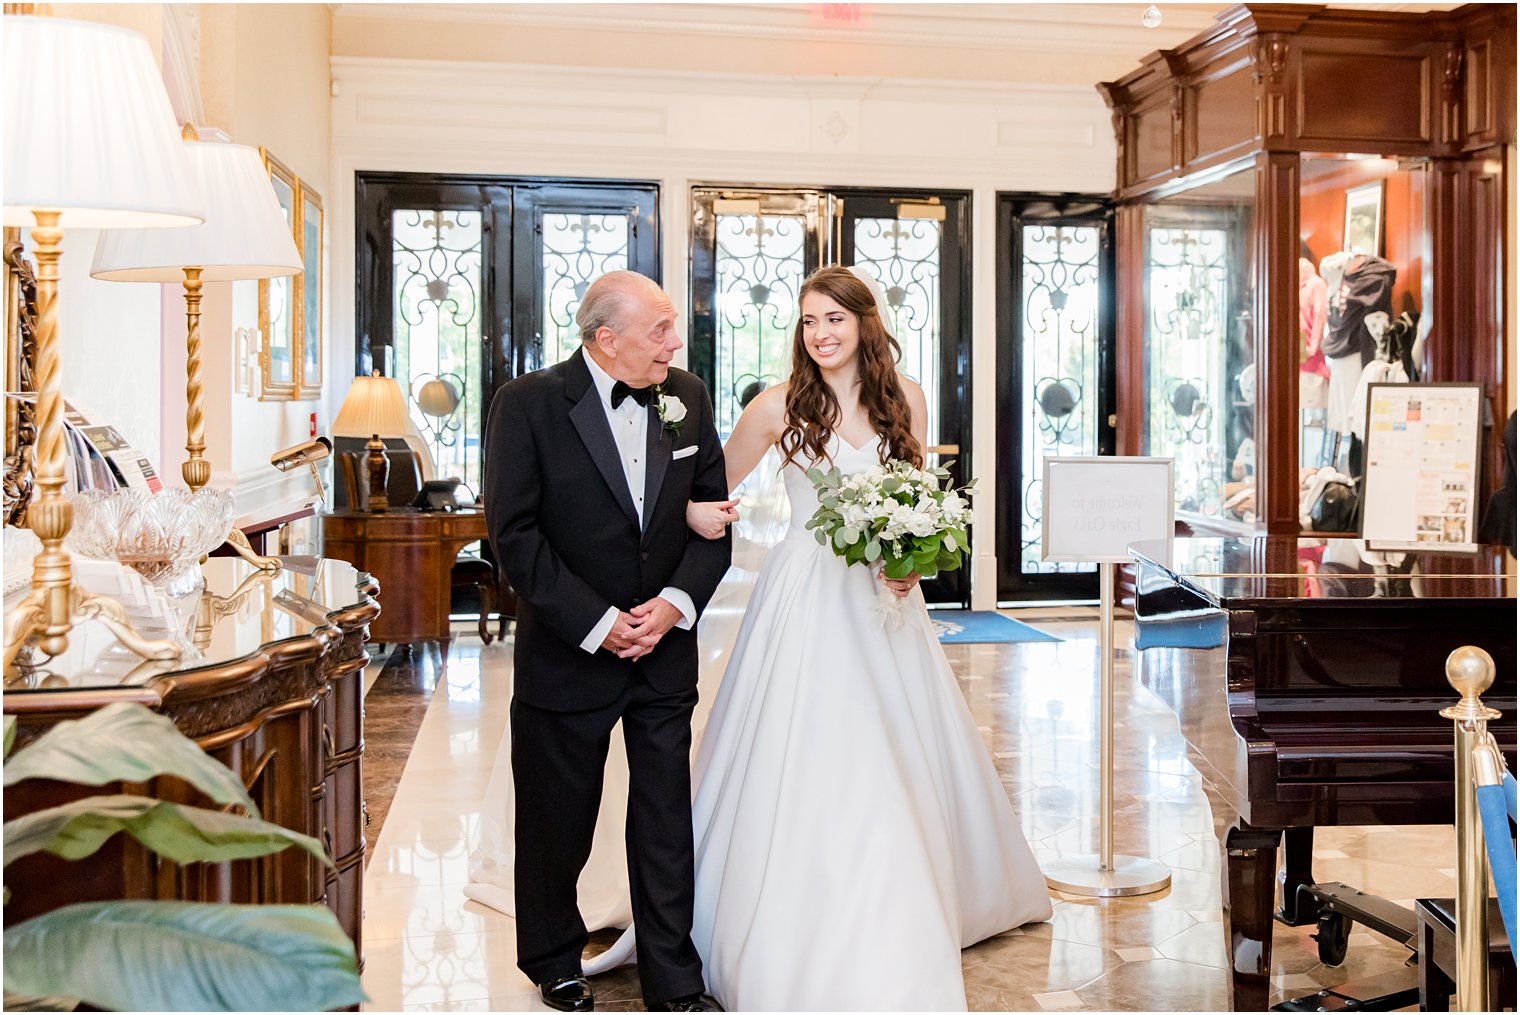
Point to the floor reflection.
(427, 948)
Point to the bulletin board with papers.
(1420, 490)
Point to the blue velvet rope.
(1495, 805)
(1509, 793)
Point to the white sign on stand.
(1096, 507)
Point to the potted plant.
(135, 955)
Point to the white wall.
(677, 128)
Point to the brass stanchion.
(1470, 672)
(1104, 874)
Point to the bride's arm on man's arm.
(759, 427)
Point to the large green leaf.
(125, 742)
(179, 833)
(185, 956)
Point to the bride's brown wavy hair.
(812, 411)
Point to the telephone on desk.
(439, 495)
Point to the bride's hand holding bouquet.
(904, 521)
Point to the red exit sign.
(842, 12)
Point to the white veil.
(880, 295)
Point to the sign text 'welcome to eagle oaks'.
(1094, 508)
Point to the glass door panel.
(1055, 374)
(1200, 378)
(1059, 388)
(575, 250)
(751, 252)
(472, 281)
(753, 247)
(436, 255)
(904, 256)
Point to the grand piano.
(1306, 676)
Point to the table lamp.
(90, 142)
(245, 236)
(374, 407)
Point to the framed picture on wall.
(1364, 219)
(309, 367)
(290, 309)
(278, 305)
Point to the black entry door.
(1055, 373)
(476, 280)
(753, 247)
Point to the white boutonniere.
(672, 411)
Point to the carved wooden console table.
(272, 686)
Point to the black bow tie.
(621, 391)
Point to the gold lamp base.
(29, 622)
(47, 613)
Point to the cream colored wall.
(262, 75)
(109, 331)
(264, 80)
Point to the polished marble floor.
(426, 947)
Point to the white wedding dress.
(852, 835)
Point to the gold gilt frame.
(20, 357)
(292, 345)
(309, 374)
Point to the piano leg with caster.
(1249, 881)
(1293, 907)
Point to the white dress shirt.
(630, 432)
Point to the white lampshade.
(374, 405)
(245, 234)
(88, 130)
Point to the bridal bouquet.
(895, 516)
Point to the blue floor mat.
(964, 627)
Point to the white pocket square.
(684, 452)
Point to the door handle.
(943, 449)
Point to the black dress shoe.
(568, 993)
(691, 1002)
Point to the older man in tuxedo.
(589, 467)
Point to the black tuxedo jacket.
(563, 527)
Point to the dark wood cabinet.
(411, 555)
(1233, 120)
(274, 690)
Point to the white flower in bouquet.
(903, 519)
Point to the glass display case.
(1309, 201)
(1199, 364)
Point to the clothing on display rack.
(1359, 285)
(1366, 286)
(1313, 310)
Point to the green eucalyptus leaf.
(10, 734)
(815, 475)
(125, 742)
(873, 552)
(831, 502)
(176, 832)
(822, 537)
(839, 540)
(185, 956)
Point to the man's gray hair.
(606, 302)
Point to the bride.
(851, 833)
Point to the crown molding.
(387, 74)
(1101, 28)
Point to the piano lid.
(1236, 572)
